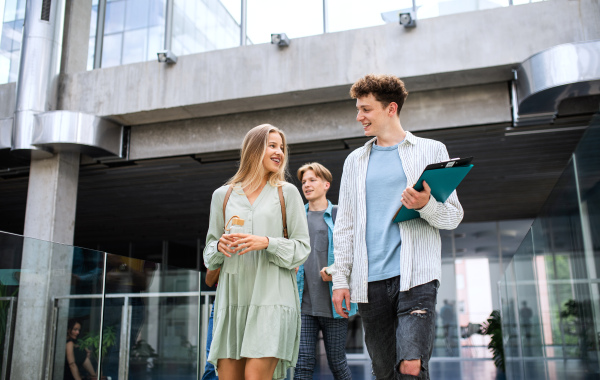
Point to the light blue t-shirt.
(385, 183)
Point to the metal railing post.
(101, 337)
(168, 25)
(244, 22)
(125, 339)
(52, 341)
(99, 34)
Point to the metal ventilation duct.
(68, 131)
(37, 128)
(39, 69)
(549, 77)
(60, 131)
(6, 133)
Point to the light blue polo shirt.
(385, 183)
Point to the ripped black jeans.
(399, 326)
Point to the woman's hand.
(247, 243)
(224, 245)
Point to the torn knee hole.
(422, 313)
(411, 367)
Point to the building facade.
(104, 147)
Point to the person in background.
(314, 283)
(76, 359)
(212, 277)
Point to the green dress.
(257, 311)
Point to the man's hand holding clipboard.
(439, 179)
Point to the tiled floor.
(439, 370)
(481, 370)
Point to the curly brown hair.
(385, 89)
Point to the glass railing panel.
(154, 313)
(588, 175)
(77, 315)
(294, 18)
(527, 295)
(559, 239)
(37, 279)
(447, 333)
(510, 331)
(558, 271)
(11, 250)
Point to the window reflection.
(10, 41)
(205, 25)
(133, 31)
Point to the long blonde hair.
(252, 171)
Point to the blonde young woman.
(256, 331)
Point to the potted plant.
(91, 341)
(493, 328)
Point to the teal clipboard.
(442, 183)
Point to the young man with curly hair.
(391, 270)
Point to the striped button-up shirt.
(420, 252)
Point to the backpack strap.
(283, 217)
(225, 203)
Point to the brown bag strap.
(283, 217)
(225, 203)
(281, 201)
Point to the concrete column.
(50, 217)
(46, 267)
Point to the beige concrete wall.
(425, 110)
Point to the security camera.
(408, 19)
(280, 39)
(166, 56)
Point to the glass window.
(234, 8)
(134, 46)
(91, 53)
(156, 13)
(94, 20)
(136, 16)
(111, 51)
(10, 10)
(4, 69)
(12, 13)
(294, 18)
(156, 36)
(200, 26)
(6, 42)
(115, 17)
(353, 14)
